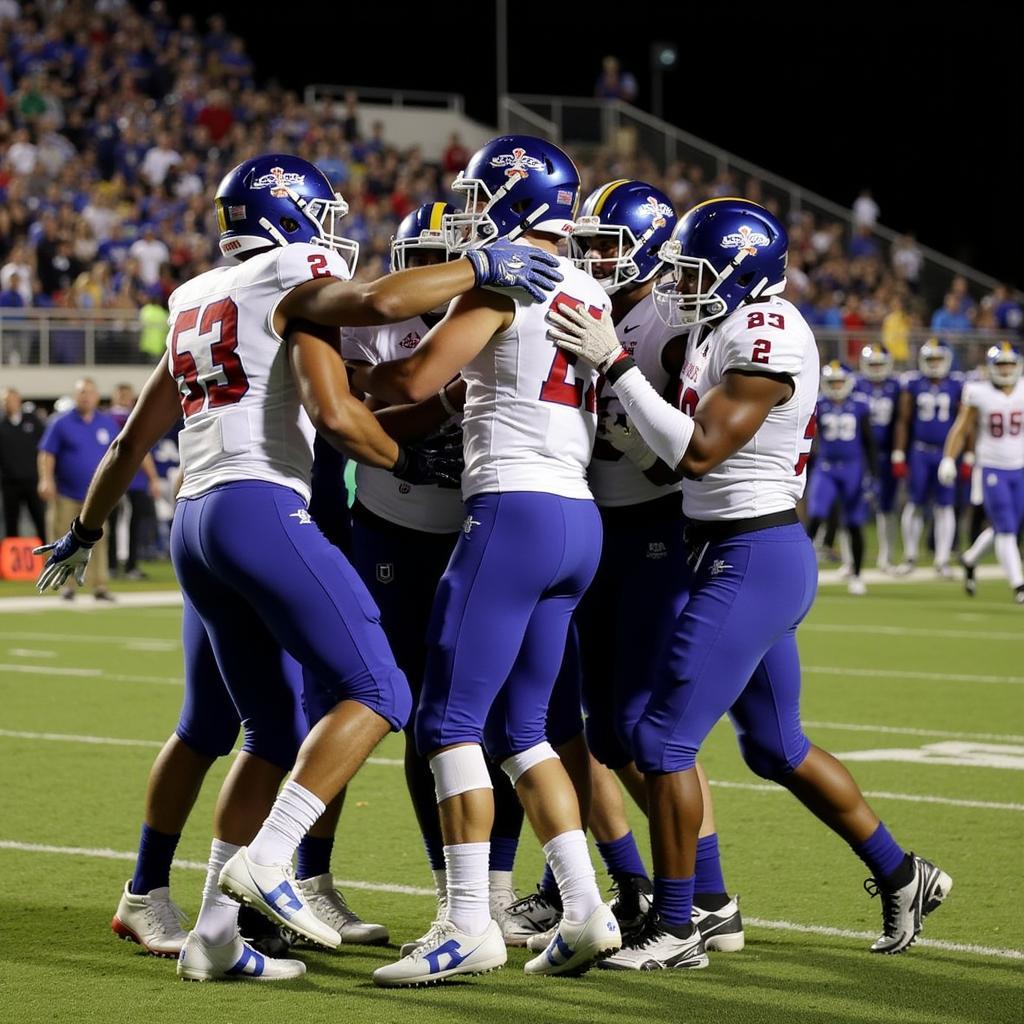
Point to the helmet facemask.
(615, 267)
(876, 364)
(1004, 369)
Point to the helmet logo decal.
(746, 239)
(657, 211)
(517, 163)
(278, 181)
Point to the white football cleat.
(856, 586)
(154, 921)
(539, 942)
(329, 905)
(575, 948)
(444, 953)
(722, 930)
(661, 947)
(442, 916)
(234, 961)
(532, 915)
(904, 909)
(499, 901)
(272, 890)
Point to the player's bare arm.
(962, 430)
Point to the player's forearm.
(351, 428)
(668, 431)
(412, 422)
(954, 445)
(398, 382)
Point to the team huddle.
(581, 433)
(876, 429)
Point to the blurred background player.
(993, 411)
(929, 402)
(881, 387)
(846, 456)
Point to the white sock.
(945, 531)
(1009, 558)
(911, 523)
(468, 894)
(218, 915)
(981, 544)
(500, 882)
(883, 523)
(845, 551)
(574, 872)
(294, 813)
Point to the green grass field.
(88, 695)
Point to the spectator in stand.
(455, 156)
(216, 115)
(896, 326)
(350, 120)
(159, 160)
(19, 265)
(151, 254)
(907, 260)
(950, 317)
(1007, 314)
(20, 431)
(853, 320)
(69, 452)
(152, 330)
(967, 304)
(613, 83)
(865, 210)
(16, 343)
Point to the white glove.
(947, 471)
(584, 335)
(622, 435)
(68, 555)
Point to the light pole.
(663, 58)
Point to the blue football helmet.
(731, 251)
(636, 219)
(935, 359)
(875, 363)
(836, 381)
(1004, 365)
(515, 184)
(276, 199)
(420, 229)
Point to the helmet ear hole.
(289, 224)
(745, 280)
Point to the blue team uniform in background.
(840, 467)
(883, 398)
(935, 405)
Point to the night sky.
(925, 111)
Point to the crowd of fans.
(116, 125)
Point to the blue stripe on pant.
(263, 577)
(498, 631)
(734, 650)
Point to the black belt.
(699, 533)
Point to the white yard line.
(899, 730)
(922, 574)
(84, 603)
(413, 890)
(880, 629)
(394, 762)
(98, 674)
(927, 677)
(148, 643)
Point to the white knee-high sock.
(468, 889)
(945, 531)
(911, 523)
(885, 524)
(981, 544)
(218, 915)
(574, 872)
(294, 813)
(1009, 558)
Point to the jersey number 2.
(556, 388)
(196, 391)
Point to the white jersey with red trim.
(1000, 440)
(425, 507)
(530, 415)
(768, 473)
(614, 479)
(243, 416)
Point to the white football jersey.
(613, 478)
(425, 507)
(768, 474)
(1000, 440)
(530, 415)
(243, 416)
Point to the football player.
(528, 550)
(993, 411)
(253, 363)
(929, 402)
(879, 384)
(845, 457)
(741, 442)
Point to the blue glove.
(505, 265)
(437, 460)
(70, 555)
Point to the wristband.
(83, 534)
(623, 364)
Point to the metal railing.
(326, 92)
(48, 337)
(629, 131)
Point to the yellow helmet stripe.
(608, 190)
(435, 216)
(222, 220)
